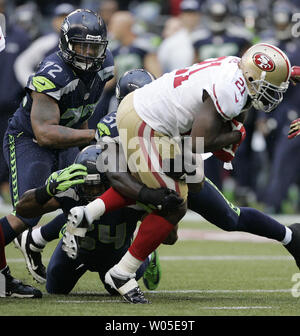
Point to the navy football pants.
(63, 272)
(30, 165)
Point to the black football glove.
(161, 198)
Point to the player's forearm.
(56, 136)
(28, 206)
(125, 184)
(222, 140)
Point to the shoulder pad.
(53, 77)
(107, 71)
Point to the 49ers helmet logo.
(264, 62)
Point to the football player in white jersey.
(197, 102)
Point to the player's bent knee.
(56, 290)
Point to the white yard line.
(219, 291)
(234, 308)
(227, 257)
(202, 308)
(197, 234)
(200, 258)
(194, 291)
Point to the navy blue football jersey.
(113, 232)
(229, 43)
(76, 96)
(132, 56)
(107, 126)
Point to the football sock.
(256, 222)
(49, 231)
(113, 200)
(129, 264)
(2, 250)
(141, 270)
(152, 232)
(8, 233)
(110, 200)
(288, 236)
(37, 237)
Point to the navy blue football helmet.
(83, 40)
(132, 80)
(94, 179)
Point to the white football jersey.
(170, 103)
(2, 40)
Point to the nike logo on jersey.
(41, 83)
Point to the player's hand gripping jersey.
(170, 104)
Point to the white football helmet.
(267, 71)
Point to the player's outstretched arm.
(45, 118)
(36, 202)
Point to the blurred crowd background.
(161, 36)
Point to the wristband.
(41, 195)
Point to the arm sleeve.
(227, 100)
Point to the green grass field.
(200, 278)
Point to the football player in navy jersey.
(222, 37)
(110, 236)
(51, 122)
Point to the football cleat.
(11, 287)
(32, 254)
(76, 229)
(126, 285)
(294, 245)
(70, 245)
(152, 274)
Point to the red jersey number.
(184, 74)
(240, 83)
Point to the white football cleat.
(76, 228)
